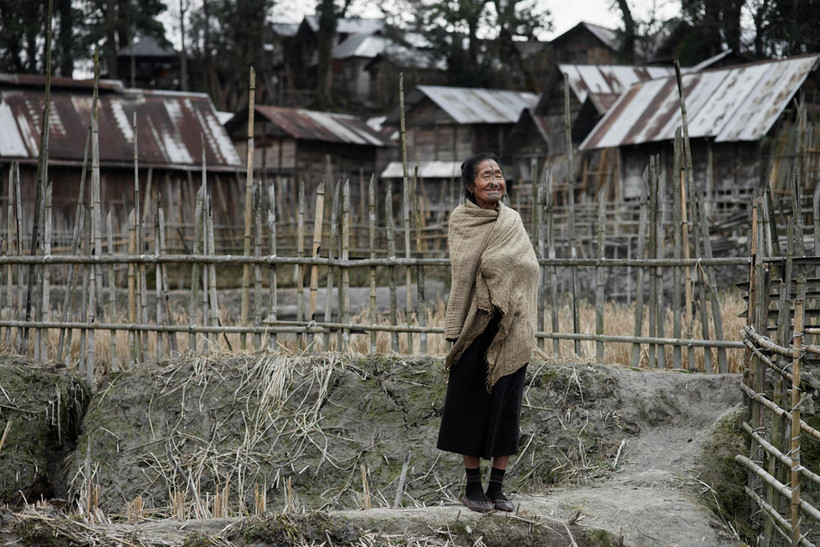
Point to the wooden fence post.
(571, 201)
(642, 229)
(391, 254)
(273, 279)
(246, 271)
(331, 271)
(371, 208)
(318, 220)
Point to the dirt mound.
(40, 415)
(608, 454)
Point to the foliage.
(226, 38)
(477, 37)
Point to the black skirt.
(476, 422)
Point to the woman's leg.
(495, 488)
(499, 462)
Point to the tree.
(23, 34)
(477, 37)
(226, 38)
(628, 45)
(329, 15)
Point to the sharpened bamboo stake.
(91, 316)
(636, 348)
(213, 303)
(158, 283)
(686, 175)
(45, 314)
(133, 352)
(142, 282)
(318, 225)
(112, 292)
(246, 272)
(300, 252)
(677, 226)
(391, 253)
(166, 296)
(273, 280)
(194, 306)
(345, 288)
(651, 253)
(541, 227)
(571, 202)
(257, 269)
(421, 303)
(405, 199)
(660, 314)
(12, 244)
(371, 209)
(331, 271)
(599, 272)
(550, 227)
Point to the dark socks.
(494, 490)
(474, 491)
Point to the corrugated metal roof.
(608, 79)
(607, 36)
(427, 169)
(473, 105)
(322, 126)
(730, 104)
(169, 125)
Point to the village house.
(149, 65)
(445, 125)
(171, 128)
(292, 144)
(742, 122)
(586, 44)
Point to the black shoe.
(501, 503)
(481, 506)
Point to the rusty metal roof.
(472, 105)
(313, 125)
(729, 104)
(169, 124)
(585, 80)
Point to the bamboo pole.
(172, 337)
(142, 283)
(12, 246)
(541, 227)
(371, 209)
(642, 229)
(677, 170)
(652, 253)
(45, 314)
(300, 252)
(345, 287)
(659, 253)
(599, 272)
(318, 225)
(783, 526)
(204, 304)
(112, 293)
(571, 201)
(331, 271)
(42, 178)
(158, 283)
(133, 352)
(18, 218)
(795, 423)
(550, 228)
(391, 254)
(405, 199)
(534, 200)
(211, 268)
(91, 313)
(421, 302)
(273, 280)
(686, 173)
(246, 273)
(257, 269)
(194, 307)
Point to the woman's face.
(488, 186)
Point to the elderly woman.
(491, 320)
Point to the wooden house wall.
(582, 47)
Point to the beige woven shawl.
(494, 270)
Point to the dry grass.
(618, 320)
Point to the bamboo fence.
(109, 292)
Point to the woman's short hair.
(469, 168)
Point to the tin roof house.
(292, 144)
(445, 125)
(741, 122)
(171, 128)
